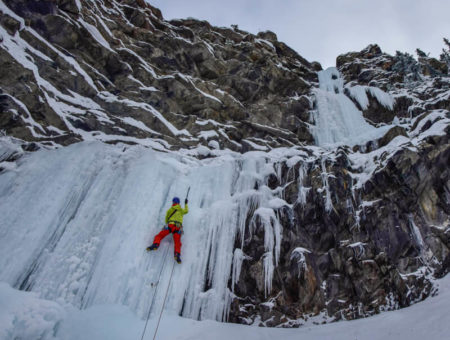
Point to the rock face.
(349, 246)
(126, 65)
(363, 228)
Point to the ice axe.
(187, 195)
(185, 202)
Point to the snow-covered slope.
(25, 316)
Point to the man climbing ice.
(174, 225)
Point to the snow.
(5, 9)
(359, 93)
(207, 134)
(209, 47)
(432, 117)
(211, 121)
(266, 42)
(368, 163)
(55, 129)
(77, 2)
(96, 34)
(190, 80)
(382, 97)
(68, 59)
(214, 144)
(149, 88)
(144, 64)
(256, 146)
(66, 106)
(293, 160)
(8, 147)
(10, 166)
(24, 316)
(29, 119)
(109, 97)
(143, 87)
(138, 124)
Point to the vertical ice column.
(302, 190)
(337, 119)
(103, 207)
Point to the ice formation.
(85, 214)
(337, 119)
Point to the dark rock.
(68, 6)
(391, 134)
(11, 24)
(268, 35)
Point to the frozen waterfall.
(337, 119)
(76, 221)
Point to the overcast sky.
(322, 29)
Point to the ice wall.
(336, 118)
(76, 222)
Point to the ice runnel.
(76, 222)
(337, 119)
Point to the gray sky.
(322, 29)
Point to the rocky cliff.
(364, 224)
(116, 71)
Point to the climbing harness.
(174, 231)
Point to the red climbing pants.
(176, 232)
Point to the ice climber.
(174, 225)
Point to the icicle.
(268, 272)
(302, 190)
(299, 254)
(272, 241)
(416, 233)
(324, 175)
(238, 258)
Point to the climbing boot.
(177, 257)
(154, 246)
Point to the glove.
(186, 201)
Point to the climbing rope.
(164, 303)
(156, 289)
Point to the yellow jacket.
(178, 215)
